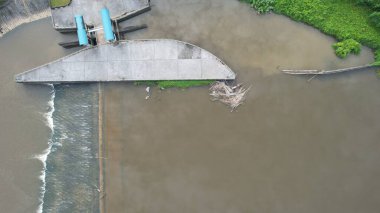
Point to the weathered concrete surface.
(15, 12)
(63, 18)
(134, 60)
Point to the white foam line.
(43, 157)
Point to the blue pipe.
(81, 31)
(107, 25)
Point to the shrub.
(262, 6)
(59, 3)
(344, 48)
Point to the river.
(294, 146)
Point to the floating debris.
(148, 93)
(232, 96)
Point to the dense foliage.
(177, 84)
(262, 6)
(59, 3)
(373, 4)
(342, 49)
(375, 19)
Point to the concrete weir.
(132, 60)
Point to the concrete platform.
(134, 60)
(63, 18)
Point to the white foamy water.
(43, 157)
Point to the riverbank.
(341, 19)
(14, 13)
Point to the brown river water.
(294, 146)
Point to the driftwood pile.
(232, 96)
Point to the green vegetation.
(377, 57)
(176, 84)
(375, 19)
(59, 3)
(378, 73)
(374, 4)
(2, 2)
(343, 19)
(261, 6)
(342, 49)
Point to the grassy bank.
(59, 3)
(342, 19)
(176, 84)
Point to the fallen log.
(324, 72)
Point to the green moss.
(346, 47)
(176, 84)
(59, 3)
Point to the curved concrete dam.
(137, 60)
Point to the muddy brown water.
(294, 146)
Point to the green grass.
(176, 84)
(59, 3)
(342, 19)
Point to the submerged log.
(130, 29)
(69, 44)
(130, 15)
(324, 72)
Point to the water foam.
(43, 157)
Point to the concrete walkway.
(135, 60)
(63, 18)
